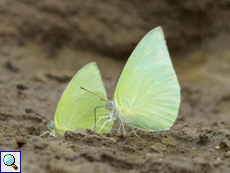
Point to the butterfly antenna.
(94, 94)
(28, 110)
(95, 116)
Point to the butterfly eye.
(110, 105)
(51, 125)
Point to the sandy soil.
(38, 56)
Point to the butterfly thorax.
(123, 115)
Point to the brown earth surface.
(44, 43)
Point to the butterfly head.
(110, 105)
(51, 125)
(52, 128)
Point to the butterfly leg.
(123, 128)
(108, 127)
(107, 117)
(119, 129)
(96, 116)
(135, 132)
(50, 134)
(121, 123)
(104, 124)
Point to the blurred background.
(44, 43)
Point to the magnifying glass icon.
(9, 160)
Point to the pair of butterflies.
(147, 95)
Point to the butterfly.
(147, 94)
(75, 107)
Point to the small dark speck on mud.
(11, 67)
(21, 87)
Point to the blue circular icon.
(8, 159)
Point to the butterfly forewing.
(148, 87)
(76, 106)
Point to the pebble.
(217, 147)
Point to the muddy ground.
(44, 43)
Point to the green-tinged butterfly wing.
(148, 91)
(80, 113)
(76, 106)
